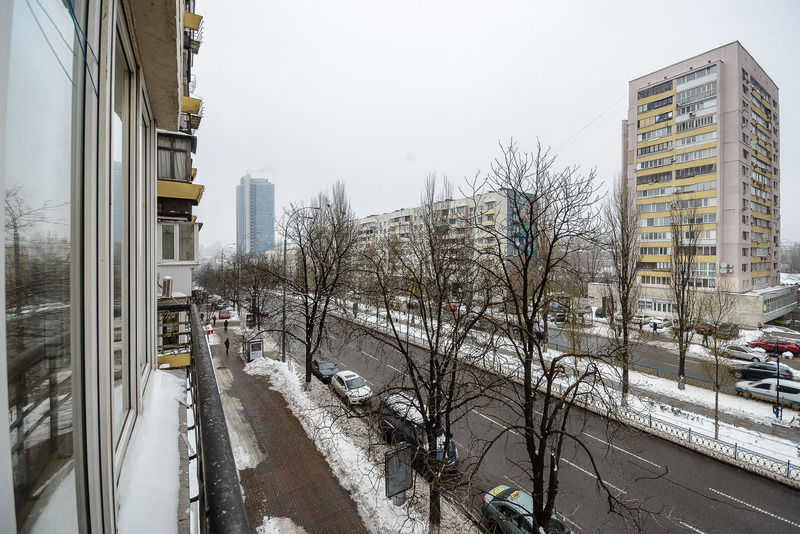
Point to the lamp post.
(778, 407)
(292, 213)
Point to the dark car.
(510, 510)
(324, 369)
(726, 330)
(401, 422)
(600, 313)
(770, 344)
(757, 371)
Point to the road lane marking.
(579, 468)
(797, 525)
(393, 368)
(623, 450)
(368, 355)
(495, 422)
(690, 527)
(571, 522)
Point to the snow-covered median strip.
(341, 440)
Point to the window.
(167, 242)
(656, 89)
(695, 171)
(186, 243)
(695, 94)
(174, 157)
(120, 228)
(697, 122)
(744, 267)
(41, 175)
(654, 178)
(696, 74)
(655, 104)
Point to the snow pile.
(279, 525)
(141, 483)
(357, 473)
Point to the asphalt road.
(683, 491)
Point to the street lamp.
(778, 407)
(292, 213)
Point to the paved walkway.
(292, 480)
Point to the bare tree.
(427, 271)
(258, 277)
(551, 213)
(322, 241)
(717, 307)
(620, 220)
(685, 228)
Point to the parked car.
(351, 387)
(538, 332)
(704, 328)
(324, 369)
(743, 352)
(450, 306)
(402, 422)
(726, 330)
(224, 314)
(557, 317)
(510, 510)
(661, 322)
(765, 389)
(599, 313)
(769, 344)
(757, 371)
(641, 319)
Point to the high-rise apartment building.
(255, 215)
(702, 140)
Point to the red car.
(769, 344)
(224, 314)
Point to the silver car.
(741, 352)
(351, 387)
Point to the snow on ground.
(355, 458)
(279, 525)
(147, 504)
(213, 339)
(246, 452)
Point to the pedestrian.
(227, 346)
(760, 326)
(226, 325)
(705, 339)
(655, 328)
(640, 326)
(213, 320)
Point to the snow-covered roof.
(790, 279)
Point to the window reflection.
(119, 174)
(45, 87)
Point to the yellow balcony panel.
(655, 125)
(192, 20)
(763, 130)
(173, 361)
(760, 273)
(760, 113)
(653, 259)
(184, 190)
(764, 159)
(191, 105)
(657, 96)
(194, 172)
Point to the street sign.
(399, 475)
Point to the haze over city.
(380, 95)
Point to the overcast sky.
(380, 94)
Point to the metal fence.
(219, 493)
(782, 470)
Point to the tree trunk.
(435, 510)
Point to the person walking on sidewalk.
(213, 320)
(226, 325)
(227, 345)
(655, 328)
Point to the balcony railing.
(219, 493)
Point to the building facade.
(255, 215)
(96, 134)
(701, 147)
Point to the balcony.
(218, 503)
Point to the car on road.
(704, 328)
(510, 510)
(224, 314)
(402, 422)
(726, 331)
(757, 371)
(641, 319)
(770, 344)
(765, 389)
(600, 313)
(557, 317)
(324, 369)
(661, 322)
(351, 387)
(743, 352)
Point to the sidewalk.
(290, 478)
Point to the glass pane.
(186, 242)
(167, 242)
(119, 180)
(44, 112)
